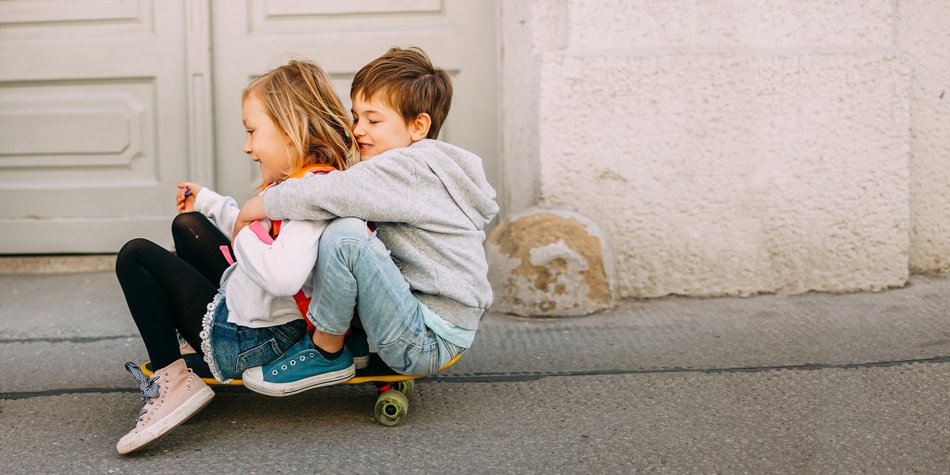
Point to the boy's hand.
(252, 210)
(185, 199)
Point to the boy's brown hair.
(410, 84)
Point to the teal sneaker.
(301, 368)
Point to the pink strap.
(227, 254)
(258, 229)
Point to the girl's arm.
(185, 199)
(252, 210)
(280, 267)
(223, 210)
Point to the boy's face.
(378, 127)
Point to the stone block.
(546, 262)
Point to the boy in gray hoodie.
(418, 280)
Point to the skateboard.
(392, 389)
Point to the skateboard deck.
(393, 389)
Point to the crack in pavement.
(69, 339)
(534, 376)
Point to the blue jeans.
(355, 272)
(229, 349)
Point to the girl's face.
(266, 143)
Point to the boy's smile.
(378, 127)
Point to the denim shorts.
(229, 349)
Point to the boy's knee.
(345, 228)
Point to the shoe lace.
(147, 385)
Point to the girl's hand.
(252, 210)
(185, 199)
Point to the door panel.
(94, 122)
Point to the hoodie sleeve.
(377, 190)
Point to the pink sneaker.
(184, 348)
(172, 395)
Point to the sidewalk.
(816, 383)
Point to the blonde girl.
(238, 305)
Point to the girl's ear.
(419, 127)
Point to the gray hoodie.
(431, 203)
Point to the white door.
(252, 36)
(106, 104)
(97, 102)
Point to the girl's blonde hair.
(300, 99)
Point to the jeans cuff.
(324, 329)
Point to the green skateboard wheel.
(391, 408)
(406, 387)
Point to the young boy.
(419, 281)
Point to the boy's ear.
(419, 127)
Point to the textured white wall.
(736, 147)
(923, 34)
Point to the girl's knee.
(184, 221)
(131, 251)
(133, 247)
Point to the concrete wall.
(923, 36)
(736, 147)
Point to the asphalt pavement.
(814, 383)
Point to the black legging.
(166, 292)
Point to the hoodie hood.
(463, 176)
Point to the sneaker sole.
(137, 440)
(254, 380)
(361, 362)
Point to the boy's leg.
(360, 274)
(355, 270)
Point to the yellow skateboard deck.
(394, 389)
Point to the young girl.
(296, 126)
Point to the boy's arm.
(378, 190)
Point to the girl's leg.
(198, 242)
(164, 293)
